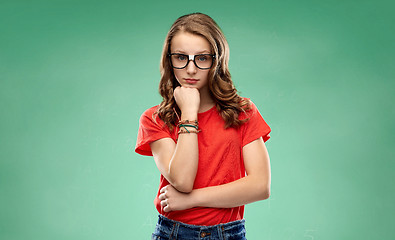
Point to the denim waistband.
(170, 229)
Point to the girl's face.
(191, 44)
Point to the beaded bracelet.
(194, 122)
(186, 131)
(188, 125)
(182, 125)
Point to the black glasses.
(201, 61)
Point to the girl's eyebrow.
(204, 52)
(179, 51)
(184, 52)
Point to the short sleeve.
(151, 128)
(255, 127)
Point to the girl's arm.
(178, 162)
(254, 187)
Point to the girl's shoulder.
(150, 110)
(249, 108)
(151, 114)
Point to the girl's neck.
(206, 101)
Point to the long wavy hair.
(228, 103)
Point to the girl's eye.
(202, 58)
(181, 58)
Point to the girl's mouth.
(191, 80)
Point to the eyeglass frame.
(193, 58)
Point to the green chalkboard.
(76, 75)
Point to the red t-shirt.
(220, 158)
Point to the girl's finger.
(163, 189)
(162, 196)
(167, 209)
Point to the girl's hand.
(173, 200)
(187, 99)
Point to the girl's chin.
(190, 86)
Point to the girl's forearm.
(184, 163)
(240, 192)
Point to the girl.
(206, 140)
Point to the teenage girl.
(206, 140)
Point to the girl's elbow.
(183, 186)
(181, 183)
(264, 192)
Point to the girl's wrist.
(191, 116)
(195, 199)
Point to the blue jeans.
(168, 229)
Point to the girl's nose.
(191, 68)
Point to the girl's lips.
(191, 80)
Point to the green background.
(76, 75)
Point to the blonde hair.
(222, 90)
